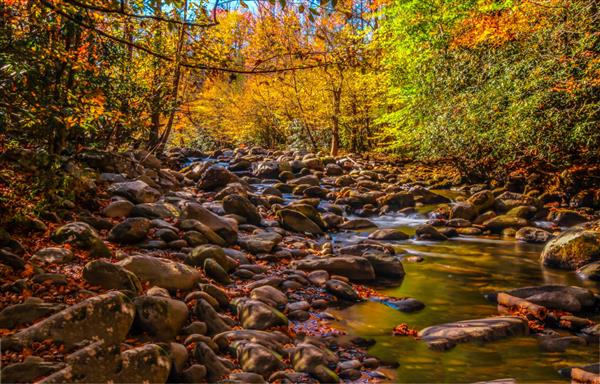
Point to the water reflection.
(452, 281)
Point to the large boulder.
(241, 206)
(106, 317)
(131, 230)
(162, 272)
(136, 191)
(572, 249)
(353, 267)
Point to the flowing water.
(452, 280)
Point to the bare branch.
(122, 12)
(183, 63)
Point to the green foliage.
(485, 84)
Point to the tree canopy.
(478, 82)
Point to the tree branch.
(122, 12)
(170, 59)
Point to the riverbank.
(241, 264)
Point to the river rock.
(267, 170)
(240, 205)
(263, 242)
(254, 357)
(159, 316)
(402, 304)
(131, 230)
(333, 169)
(105, 317)
(533, 235)
(215, 177)
(311, 359)
(297, 222)
(255, 314)
(566, 217)
(353, 267)
(499, 223)
(385, 265)
(214, 270)
(398, 200)
(269, 295)
(446, 336)
(154, 210)
(463, 210)
(83, 236)
(107, 275)
(388, 234)
(162, 272)
(562, 297)
(358, 224)
(342, 290)
(425, 196)
(572, 249)
(509, 200)
(199, 255)
(32, 368)
(482, 200)
(216, 367)
(25, 313)
(307, 180)
(590, 271)
(220, 226)
(51, 255)
(135, 191)
(429, 233)
(118, 208)
(207, 314)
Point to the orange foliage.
(500, 27)
(403, 329)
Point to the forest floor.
(239, 264)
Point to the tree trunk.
(174, 91)
(335, 120)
